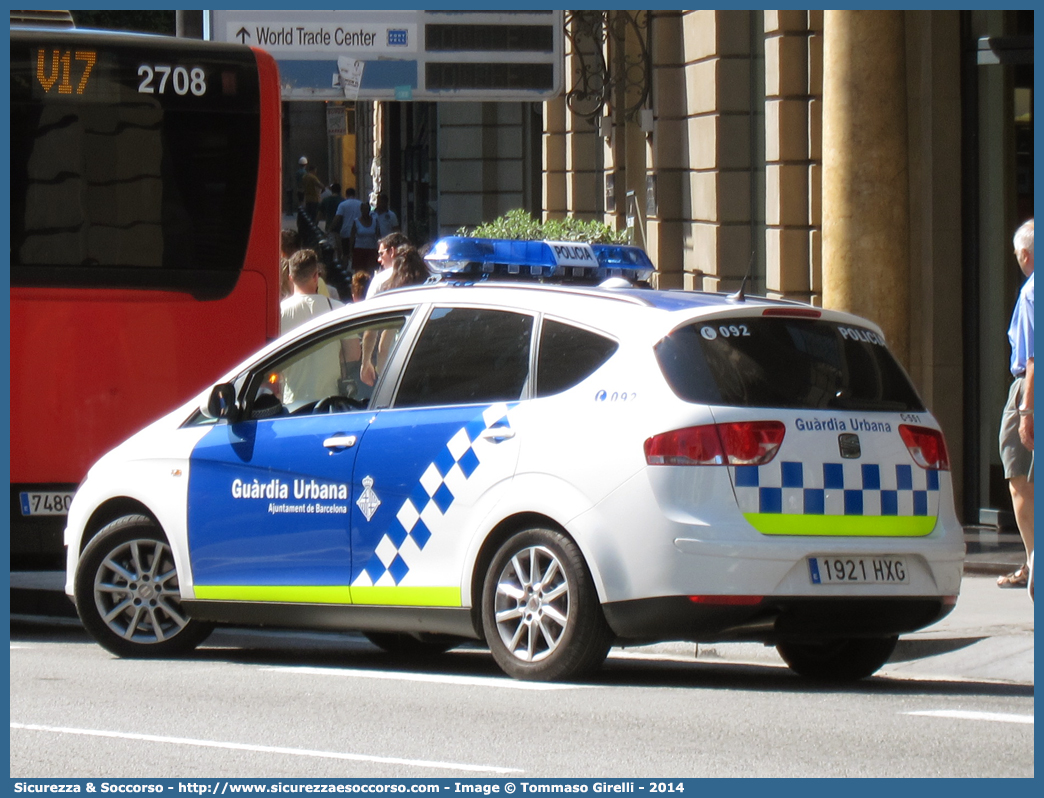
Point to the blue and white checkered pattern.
(847, 488)
(441, 483)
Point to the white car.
(549, 469)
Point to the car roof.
(634, 315)
(616, 310)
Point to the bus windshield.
(132, 165)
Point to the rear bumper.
(773, 618)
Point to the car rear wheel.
(127, 592)
(540, 612)
(844, 660)
(412, 646)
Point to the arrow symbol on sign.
(243, 35)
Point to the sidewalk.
(992, 552)
(988, 637)
(989, 634)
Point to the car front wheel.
(844, 660)
(127, 592)
(540, 612)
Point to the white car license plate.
(45, 502)
(842, 570)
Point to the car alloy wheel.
(532, 603)
(127, 592)
(540, 611)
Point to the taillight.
(737, 443)
(927, 447)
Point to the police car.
(547, 468)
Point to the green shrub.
(520, 226)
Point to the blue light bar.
(552, 261)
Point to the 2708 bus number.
(159, 78)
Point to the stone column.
(865, 173)
(554, 159)
(788, 155)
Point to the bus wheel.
(540, 612)
(844, 660)
(127, 594)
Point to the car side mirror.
(221, 403)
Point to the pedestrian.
(1016, 433)
(312, 187)
(386, 216)
(316, 375)
(387, 248)
(302, 162)
(347, 213)
(328, 206)
(409, 268)
(365, 234)
(289, 243)
(305, 302)
(360, 285)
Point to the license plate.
(841, 570)
(45, 502)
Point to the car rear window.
(785, 362)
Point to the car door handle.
(338, 442)
(498, 434)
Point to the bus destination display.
(73, 73)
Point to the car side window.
(468, 356)
(331, 374)
(568, 355)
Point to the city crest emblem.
(368, 501)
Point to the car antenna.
(740, 295)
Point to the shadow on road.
(275, 648)
(908, 650)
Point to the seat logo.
(848, 444)
(368, 501)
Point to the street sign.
(336, 120)
(419, 55)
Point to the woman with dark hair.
(408, 268)
(365, 234)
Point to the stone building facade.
(868, 161)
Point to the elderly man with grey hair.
(1016, 434)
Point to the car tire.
(127, 592)
(540, 611)
(844, 660)
(409, 646)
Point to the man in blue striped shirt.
(1016, 435)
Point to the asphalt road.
(252, 704)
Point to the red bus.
(145, 218)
